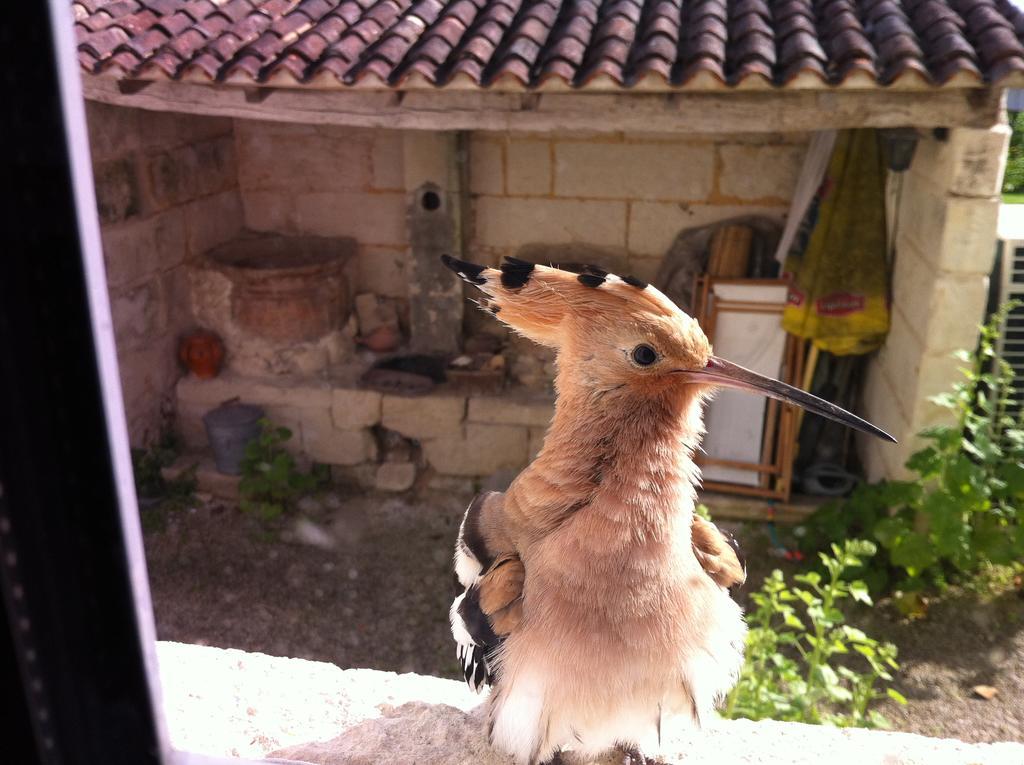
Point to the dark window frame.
(77, 640)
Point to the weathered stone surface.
(514, 222)
(117, 190)
(167, 191)
(480, 451)
(529, 168)
(145, 371)
(237, 704)
(113, 130)
(270, 211)
(383, 271)
(486, 175)
(508, 410)
(368, 218)
(160, 130)
(231, 703)
(188, 425)
(881, 405)
(599, 170)
(970, 162)
(137, 249)
(363, 476)
(395, 476)
(279, 391)
(273, 156)
(337, 447)
(138, 315)
(354, 408)
(901, 358)
(386, 160)
(422, 417)
(425, 732)
(320, 439)
(653, 226)
(435, 293)
(425, 157)
(373, 312)
(212, 220)
(760, 172)
(194, 170)
(953, 233)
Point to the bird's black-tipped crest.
(515, 273)
(590, 280)
(469, 272)
(632, 281)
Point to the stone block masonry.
(166, 191)
(330, 181)
(470, 436)
(945, 247)
(623, 193)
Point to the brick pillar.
(945, 247)
(433, 214)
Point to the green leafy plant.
(271, 480)
(148, 464)
(962, 510)
(158, 495)
(1013, 180)
(798, 654)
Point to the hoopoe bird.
(594, 601)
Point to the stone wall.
(171, 186)
(458, 435)
(627, 194)
(945, 247)
(166, 190)
(329, 181)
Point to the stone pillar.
(945, 247)
(432, 184)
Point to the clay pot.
(382, 340)
(287, 289)
(202, 352)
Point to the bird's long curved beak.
(721, 372)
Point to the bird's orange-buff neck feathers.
(624, 430)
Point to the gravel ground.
(366, 582)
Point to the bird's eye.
(644, 355)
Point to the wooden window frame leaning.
(775, 468)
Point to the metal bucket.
(229, 428)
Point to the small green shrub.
(796, 634)
(157, 495)
(271, 480)
(148, 463)
(1013, 180)
(962, 511)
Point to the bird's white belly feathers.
(590, 669)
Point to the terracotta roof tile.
(569, 43)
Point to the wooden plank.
(604, 112)
(734, 508)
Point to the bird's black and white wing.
(489, 583)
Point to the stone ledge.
(463, 434)
(232, 703)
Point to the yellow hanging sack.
(839, 287)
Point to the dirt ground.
(366, 582)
